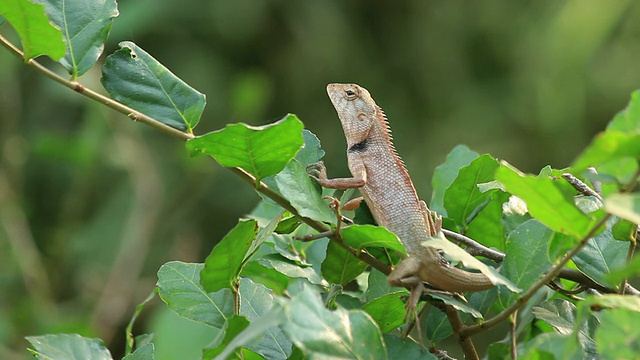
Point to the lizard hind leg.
(405, 274)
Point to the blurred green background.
(92, 204)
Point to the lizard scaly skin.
(381, 176)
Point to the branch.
(552, 273)
(93, 95)
(138, 116)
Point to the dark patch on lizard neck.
(360, 147)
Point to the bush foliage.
(563, 238)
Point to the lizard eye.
(350, 94)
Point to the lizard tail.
(454, 280)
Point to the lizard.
(384, 183)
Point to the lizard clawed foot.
(317, 171)
(411, 312)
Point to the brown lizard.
(381, 176)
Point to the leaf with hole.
(134, 78)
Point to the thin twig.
(514, 328)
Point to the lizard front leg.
(318, 172)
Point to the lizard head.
(356, 109)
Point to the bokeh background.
(91, 204)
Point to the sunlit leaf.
(629, 118)
(37, 34)
(618, 335)
(260, 150)
(222, 266)
(551, 202)
(446, 173)
(613, 145)
(625, 206)
(136, 79)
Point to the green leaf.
(288, 225)
(526, 258)
(618, 335)
(614, 301)
(629, 118)
(438, 327)
(405, 348)
(487, 227)
(625, 206)
(311, 151)
(297, 187)
(255, 302)
(134, 78)
(632, 268)
(561, 315)
(377, 285)
(321, 333)
(601, 254)
(231, 329)
(85, 27)
(367, 236)
(179, 287)
(142, 353)
(291, 268)
(68, 347)
(2, 21)
(266, 276)
(551, 202)
(254, 331)
(222, 266)
(37, 34)
(260, 150)
(387, 311)
(463, 198)
(606, 147)
(340, 266)
(458, 304)
(446, 173)
(624, 230)
(555, 346)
